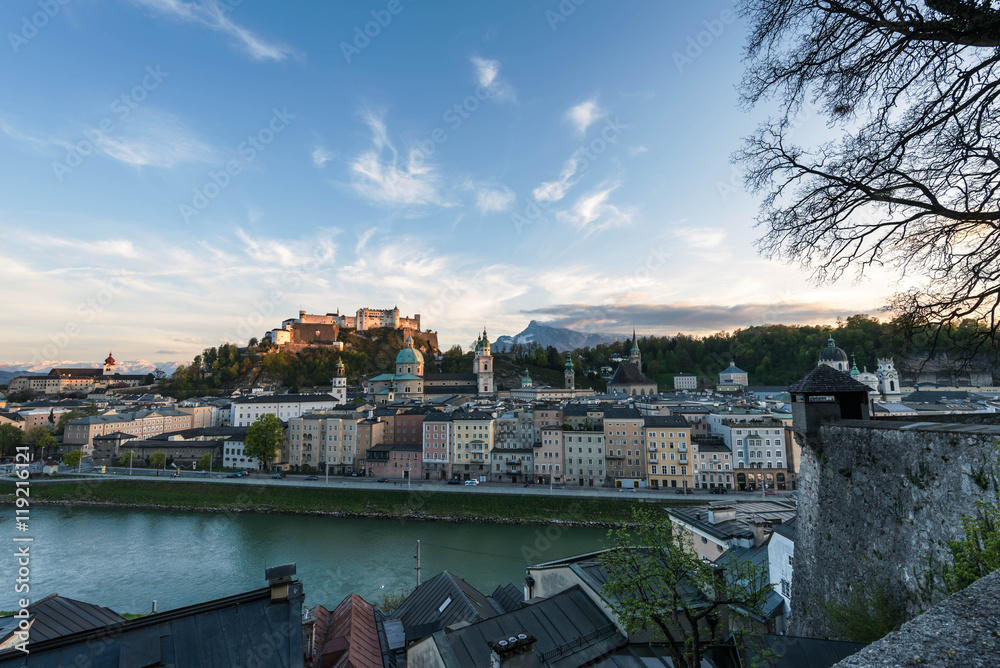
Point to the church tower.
(634, 356)
(339, 392)
(569, 374)
(109, 365)
(888, 380)
(482, 365)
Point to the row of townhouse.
(80, 433)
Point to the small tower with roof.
(634, 356)
(339, 391)
(570, 373)
(833, 357)
(109, 365)
(482, 365)
(526, 379)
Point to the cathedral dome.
(409, 355)
(832, 353)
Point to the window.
(786, 588)
(789, 560)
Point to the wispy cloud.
(491, 198)
(288, 254)
(321, 156)
(488, 76)
(210, 14)
(553, 191)
(385, 178)
(593, 212)
(637, 150)
(155, 139)
(702, 238)
(582, 115)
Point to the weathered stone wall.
(879, 502)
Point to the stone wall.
(879, 502)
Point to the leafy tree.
(205, 461)
(656, 582)
(73, 458)
(264, 438)
(391, 600)
(127, 458)
(33, 435)
(75, 414)
(914, 178)
(10, 438)
(45, 444)
(158, 459)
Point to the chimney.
(515, 651)
(278, 578)
(759, 531)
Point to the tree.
(656, 582)
(205, 461)
(264, 438)
(10, 438)
(914, 178)
(158, 459)
(73, 458)
(127, 458)
(45, 444)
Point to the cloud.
(666, 319)
(288, 254)
(553, 191)
(491, 198)
(154, 139)
(593, 212)
(210, 14)
(169, 351)
(585, 113)
(701, 238)
(320, 156)
(488, 76)
(392, 180)
(636, 150)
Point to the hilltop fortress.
(323, 330)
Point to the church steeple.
(634, 356)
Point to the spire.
(569, 361)
(854, 367)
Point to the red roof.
(110, 360)
(346, 637)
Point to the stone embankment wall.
(879, 502)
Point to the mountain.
(128, 367)
(558, 337)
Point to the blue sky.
(177, 173)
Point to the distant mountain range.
(560, 338)
(128, 367)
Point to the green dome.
(409, 355)
(569, 362)
(526, 378)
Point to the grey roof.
(227, 433)
(421, 612)
(787, 529)
(628, 373)
(622, 414)
(232, 631)
(827, 379)
(570, 630)
(775, 512)
(437, 416)
(773, 604)
(286, 398)
(712, 445)
(935, 396)
(508, 596)
(675, 421)
(734, 369)
(56, 616)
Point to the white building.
(685, 381)
(780, 559)
(283, 406)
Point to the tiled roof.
(827, 379)
(354, 621)
(675, 421)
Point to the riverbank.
(422, 504)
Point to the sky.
(179, 173)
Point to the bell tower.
(339, 392)
(482, 365)
(569, 374)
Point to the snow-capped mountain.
(560, 338)
(127, 367)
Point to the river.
(125, 558)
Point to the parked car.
(382, 480)
(277, 476)
(682, 490)
(234, 475)
(770, 492)
(454, 481)
(471, 483)
(719, 490)
(312, 477)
